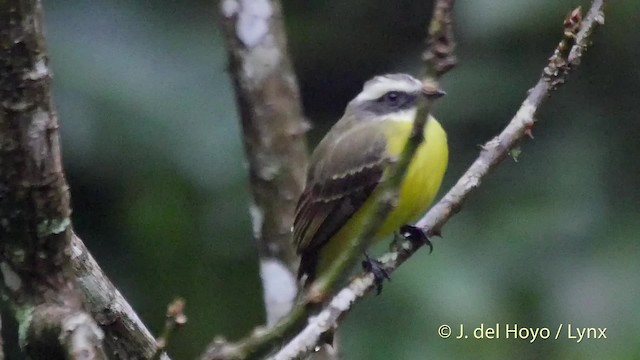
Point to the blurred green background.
(153, 154)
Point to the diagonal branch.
(576, 40)
(492, 154)
(125, 334)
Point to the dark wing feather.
(344, 171)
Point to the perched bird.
(350, 162)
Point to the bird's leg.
(377, 269)
(416, 236)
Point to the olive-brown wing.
(342, 176)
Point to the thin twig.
(554, 75)
(175, 318)
(491, 155)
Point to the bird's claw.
(416, 236)
(377, 269)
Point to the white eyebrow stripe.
(381, 85)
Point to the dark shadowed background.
(153, 155)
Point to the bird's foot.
(327, 338)
(377, 269)
(416, 236)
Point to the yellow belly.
(419, 187)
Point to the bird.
(350, 162)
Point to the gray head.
(387, 94)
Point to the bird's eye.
(391, 97)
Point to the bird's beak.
(432, 92)
(439, 93)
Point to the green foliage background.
(154, 158)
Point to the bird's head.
(386, 95)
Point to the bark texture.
(35, 225)
(273, 129)
(48, 276)
(126, 337)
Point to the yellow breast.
(419, 187)
(425, 173)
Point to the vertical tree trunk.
(273, 132)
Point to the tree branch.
(273, 128)
(126, 337)
(575, 40)
(492, 153)
(35, 225)
(42, 263)
(175, 319)
(75, 331)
